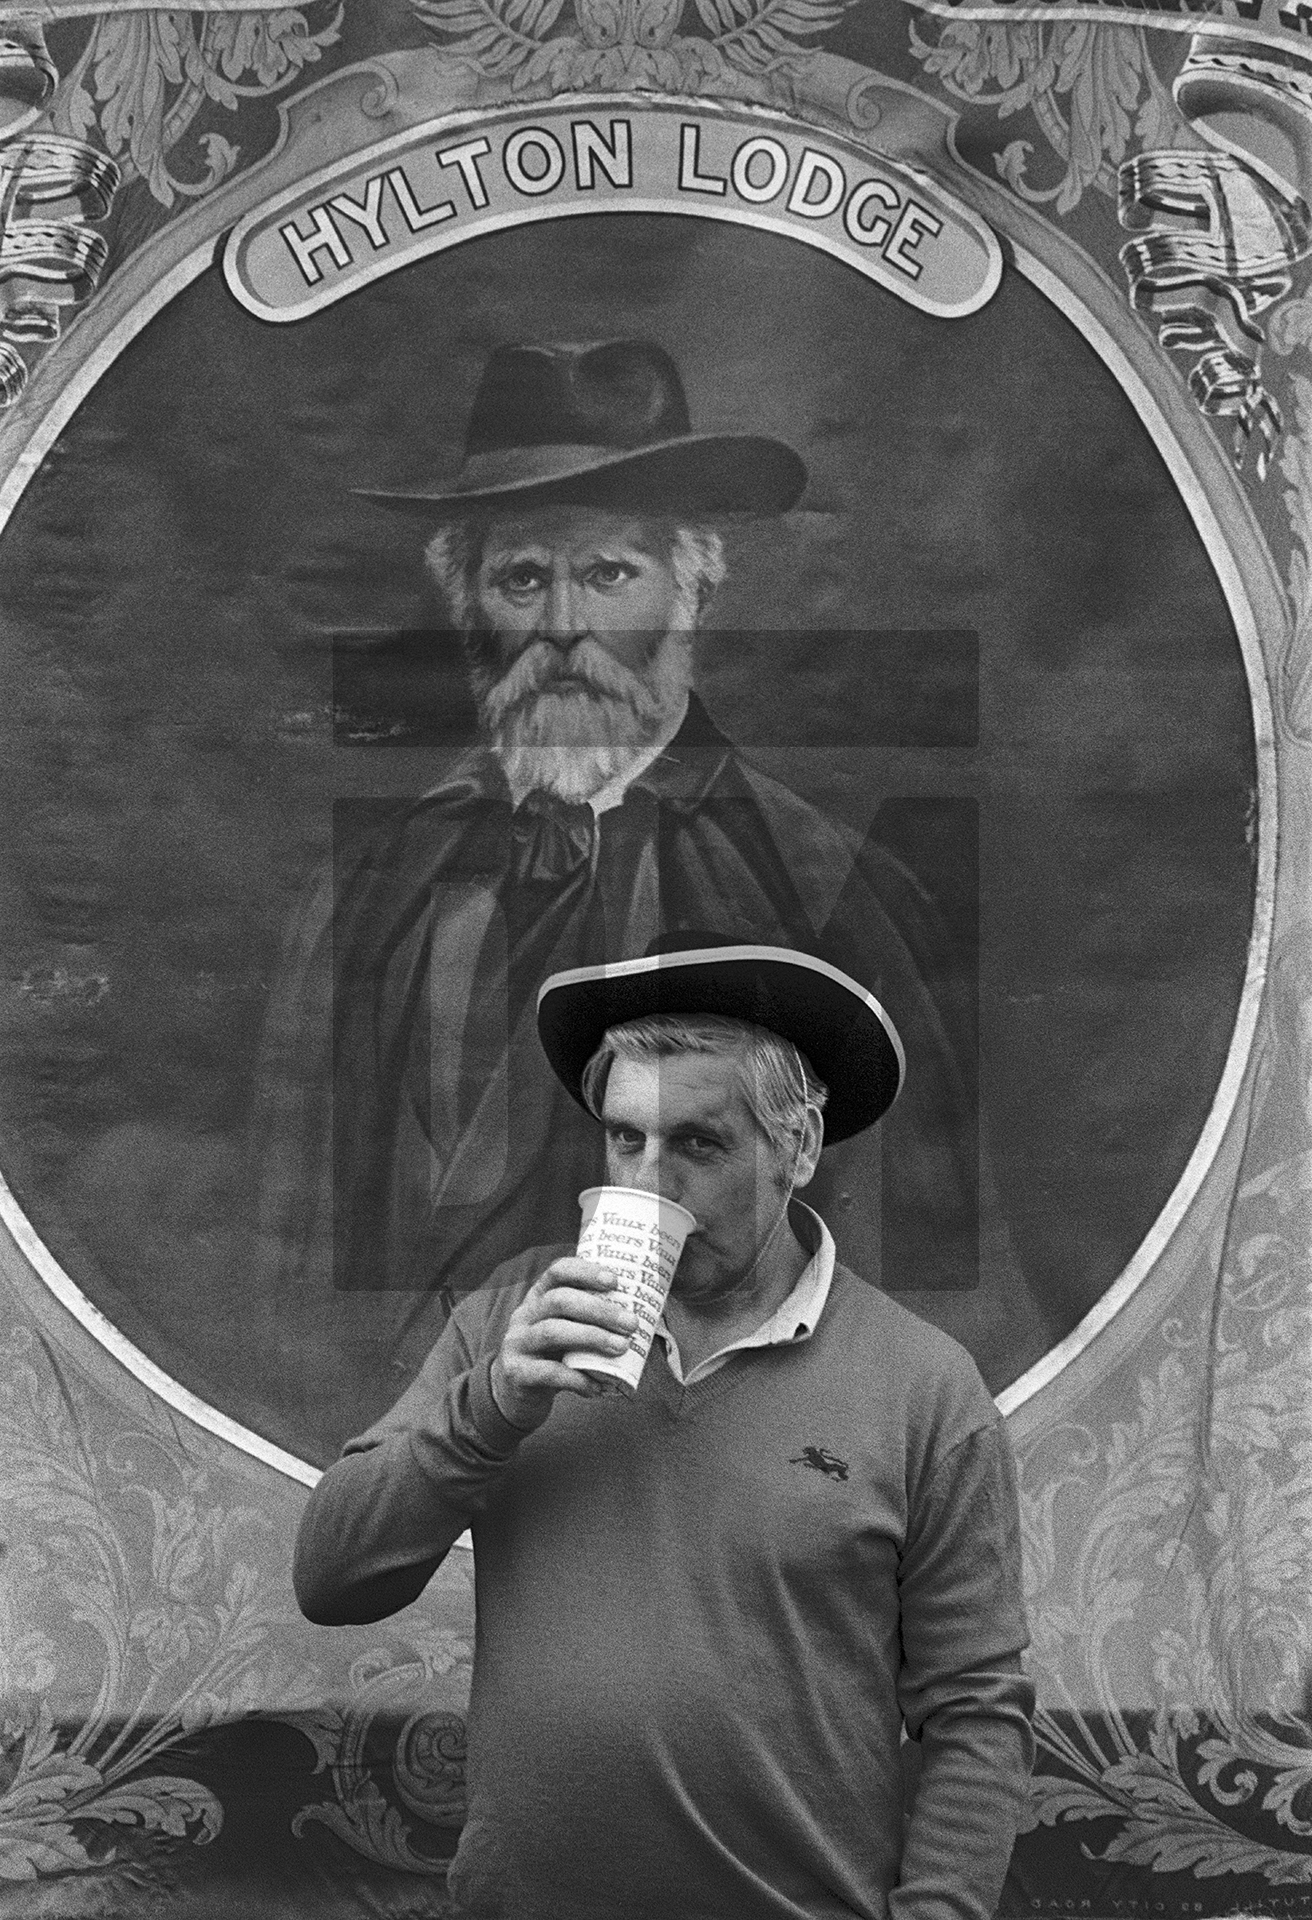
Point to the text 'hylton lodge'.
(416, 195)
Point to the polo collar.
(792, 1322)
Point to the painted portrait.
(938, 680)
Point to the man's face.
(564, 574)
(681, 1126)
(580, 647)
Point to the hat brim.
(848, 1038)
(704, 473)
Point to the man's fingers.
(573, 1380)
(572, 1308)
(560, 1336)
(598, 1310)
(536, 1375)
(570, 1271)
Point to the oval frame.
(1064, 275)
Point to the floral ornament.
(625, 43)
(1202, 1505)
(1091, 91)
(142, 78)
(140, 82)
(427, 1765)
(1219, 235)
(49, 1792)
(181, 1631)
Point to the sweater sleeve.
(962, 1690)
(383, 1517)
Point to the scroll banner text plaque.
(459, 178)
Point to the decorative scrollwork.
(622, 43)
(53, 260)
(137, 87)
(1218, 232)
(430, 1767)
(427, 1767)
(1090, 90)
(182, 1629)
(1196, 1512)
(1220, 246)
(143, 77)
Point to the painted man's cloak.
(413, 1136)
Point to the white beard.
(574, 740)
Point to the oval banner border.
(331, 131)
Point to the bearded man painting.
(413, 1139)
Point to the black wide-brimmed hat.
(604, 424)
(847, 1037)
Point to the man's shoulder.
(934, 1374)
(470, 783)
(788, 811)
(829, 855)
(385, 849)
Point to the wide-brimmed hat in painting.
(601, 424)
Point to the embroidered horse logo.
(822, 1460)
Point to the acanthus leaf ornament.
(427, 1766)
(182, 1634)
(143, 77)
(1219, 228)
(625, 43)
(138, 85)
(1091, 90)
(1206, 1507)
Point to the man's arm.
(962, 1691)
(384, 1516)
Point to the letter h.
(322, 234)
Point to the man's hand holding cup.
(574, 1307)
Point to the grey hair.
(776, 1077)
(697, 559)
(452, 557)
(456, 549)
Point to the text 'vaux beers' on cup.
(639, 1236)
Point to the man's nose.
(563, 618)
(651, 1174)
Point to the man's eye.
(609, 573)
(626, 1142)
(700, 1145)
(525, 579)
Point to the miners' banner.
(995, 682)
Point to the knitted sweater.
(704, 1617)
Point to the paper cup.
(639, 1236)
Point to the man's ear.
(808, 1156)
